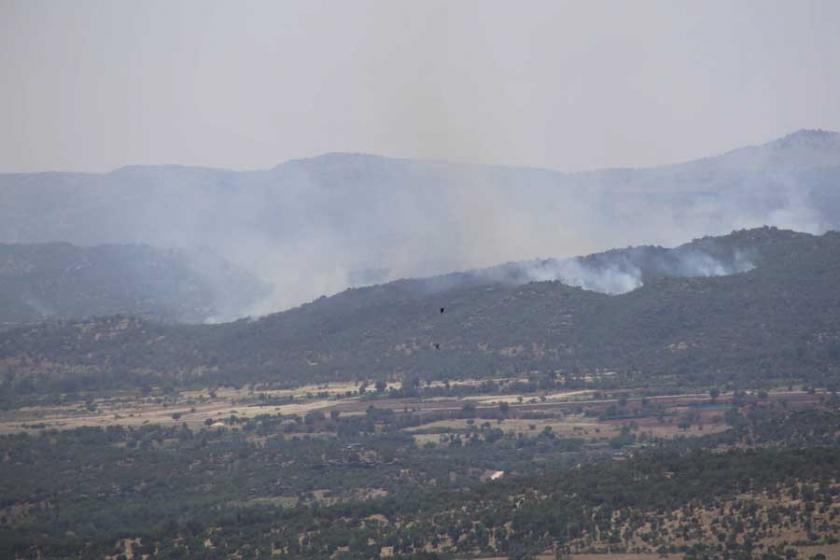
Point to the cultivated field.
(581, 414)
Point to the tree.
(714, 392)
(469, 410)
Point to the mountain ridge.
(812, 135)
(320, 225)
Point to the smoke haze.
(523, 91)
(317, 226)
(96, 85)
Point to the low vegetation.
(376, 475)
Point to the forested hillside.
(780, 320)
(51, 281)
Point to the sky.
(95, 85)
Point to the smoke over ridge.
(622, 274)
(613, 272)
(317, 226)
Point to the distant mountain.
(61, 281)
(320, 225)
(805, 149)
(777, 320)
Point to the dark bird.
(442, 309)
(436, 345)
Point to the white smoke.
(621, 274)
(611, 279)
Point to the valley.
(474, 415)
(364, 452)
(419, 280)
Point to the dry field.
(190, 407)
(212, 407)
(578, 426)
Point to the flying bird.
(442, 309)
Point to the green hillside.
(779, 321)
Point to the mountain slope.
(61, 281)
(320, 225)
(779, 320)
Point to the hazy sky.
(94, 85)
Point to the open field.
(110, 413)
(569, 414)
(194, 408)
(571, 426)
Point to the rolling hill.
(51, 281)
(778, 320)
